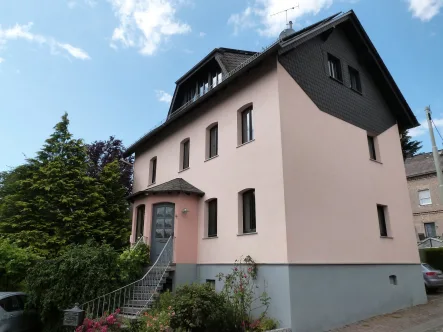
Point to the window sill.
(425, 204)
(336, 80)
(376, 161)
(252, 140)
(387, 237)
(210, 237)
(211, 158)
(356, 91)
(252, 233)
(151, 184)
(184, 169)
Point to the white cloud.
(202, 34)
(23, 32)
(243, 20)
(75, 51)
(423, 128)
(163, 96)
(425, 10)
(73, 3)
(258, 14)
(146, 24)
(2, 60)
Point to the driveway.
(423, 318)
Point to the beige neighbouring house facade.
(292, 156)
(427, 208)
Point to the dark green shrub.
(434, 257)
(164, 301)
(80, 274)
(14, 265)
(199, 308)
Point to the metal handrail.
(142, 290)
(140, 239)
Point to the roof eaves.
(193, 103)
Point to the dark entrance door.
(162, 227)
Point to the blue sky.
(112, 64)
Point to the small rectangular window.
(393, 279)
(249, 225)
(247, 131)
(334, 66)
(212, 218)
(354, 77)
(185, 162)
(425, 197)
(211, 282)
(153, 170)
(381, 210)
(140, 222)
(430, 229)
(213, 141)
(371, 146)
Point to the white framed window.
(424, 197)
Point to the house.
(290, 155)
(427, 207)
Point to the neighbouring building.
(291, 155)
(427, 208)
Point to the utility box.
(73, 317)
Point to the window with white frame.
(425, 197)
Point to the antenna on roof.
(289, 24)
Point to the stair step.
(129, 310)
(132, 310)
(138, 303)
(143, 296)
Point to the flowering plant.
(158, 321)
(107, 323)
(240, 290)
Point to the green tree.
(14, 265)
(116, 225)
(51, 201)
(408, 145)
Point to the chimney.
(290, 24)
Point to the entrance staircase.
(138, 296)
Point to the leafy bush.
(131, 262)
(239, 290)
(267, 324)
(158, 321)
(164, 301)
(14, 265)
(81, 273)
(198, 307)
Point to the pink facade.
(312, 176)
(332, 187)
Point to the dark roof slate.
(421, 164)
(175, 185)
(281, 46)
(232, 60)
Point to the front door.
(162, 227)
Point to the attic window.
(334, 66)
(354, 77)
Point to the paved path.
(422, 318)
